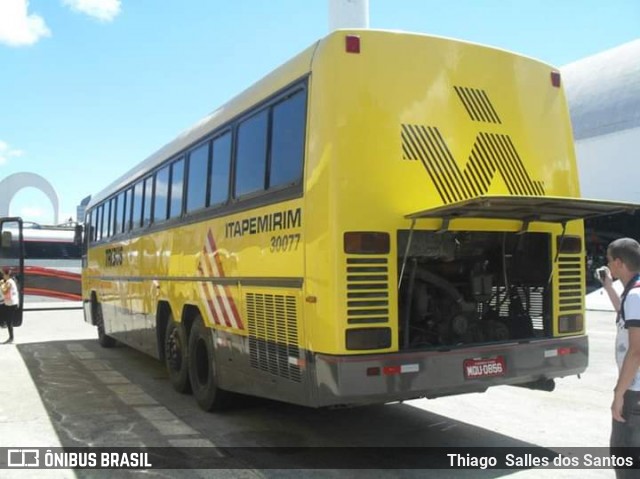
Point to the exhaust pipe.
(543, 384)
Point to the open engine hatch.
(527, 208)
(461, 288)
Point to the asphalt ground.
(59, 388)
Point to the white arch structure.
(14, 183)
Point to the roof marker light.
(555, 79)
(352, 44)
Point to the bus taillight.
(552, 353)
(570, 323)
(368, 338)
(555, 79)
(366, 242)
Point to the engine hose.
(446, 286)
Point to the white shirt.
(11, 295)
(631, 306)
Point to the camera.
(601, 273)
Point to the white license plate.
(484, 368)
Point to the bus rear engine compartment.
(464, 288)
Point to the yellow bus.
(386, 216)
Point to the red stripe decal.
(227, 292)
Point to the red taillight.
(391, 370)
(553, 353)
(352, 44)
(365, 242)
(555, 79)
(565, 351)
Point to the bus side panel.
(128, 299)
(269, 361)
(250, 267)
(322, 231)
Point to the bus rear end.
(441, 176)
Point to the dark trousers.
(627, 434)
(10, 328)
(7, 313)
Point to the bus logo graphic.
(477, 104)
(491, 153)
(220, 307)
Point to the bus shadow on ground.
(119, 397)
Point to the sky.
(90, 88)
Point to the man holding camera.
(623, 256)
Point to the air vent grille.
(367, 290)
(570, 296)
(273, 334)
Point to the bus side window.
(112, 218)
(197, 178)
(99, 222)
(220, 169)
(251, 155)
(88, 232)
(161, 196)
(106, 215)
(148, 198)
(94, 225)
(119, 221)
(287, 141)
(128, 209)
(138, 197)
(176, 193)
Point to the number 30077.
(284, 243)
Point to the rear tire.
(103, 339)
(202, 369)
(176, 357)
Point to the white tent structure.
(603, 92)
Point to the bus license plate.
(484, 368)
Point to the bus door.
(12, 257)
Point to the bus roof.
(281, 77)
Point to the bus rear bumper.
(377, 378)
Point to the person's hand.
(604, 276)
(616, 407)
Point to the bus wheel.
(175, 356)
(202, 370)
(104, 340)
